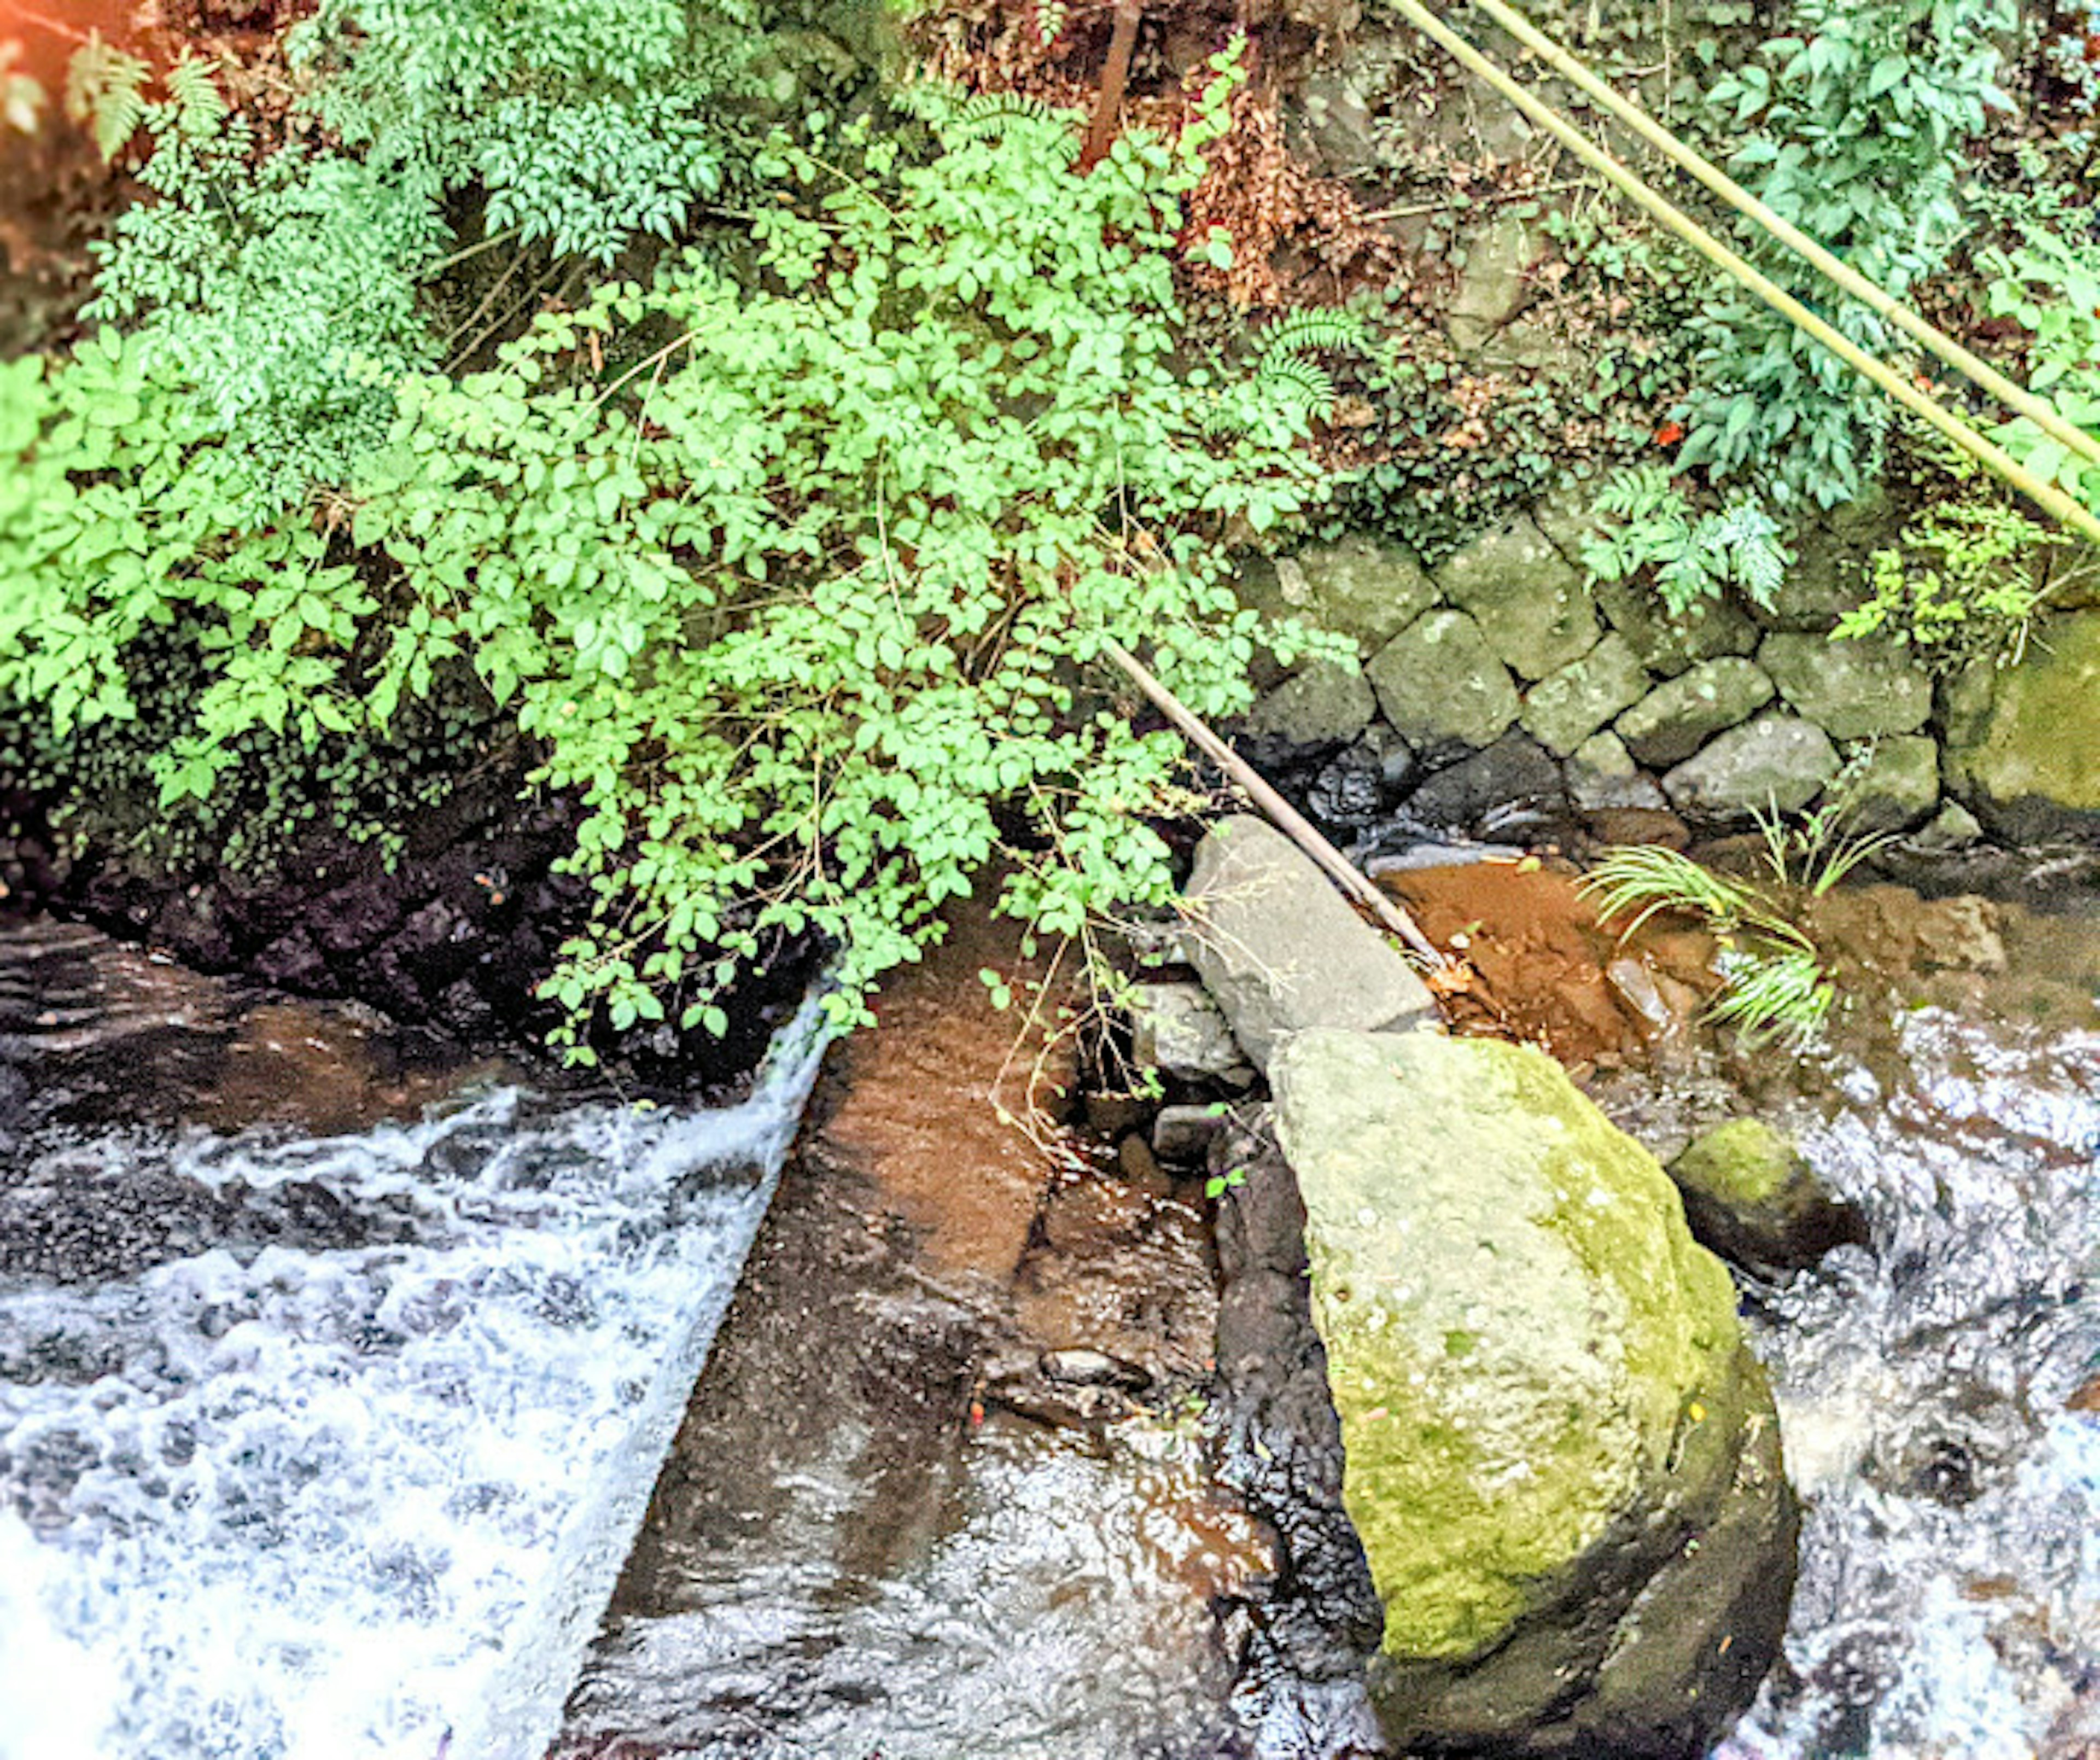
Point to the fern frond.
(1297, 383)
(989, 115)
(106, 90)
(1314, 331)
(193, 89)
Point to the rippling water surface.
(325, 1445)
(1937, 1394)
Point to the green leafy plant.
(271, 278)
(792, 573)
(1776, 984)
(1965, 580)
(1649, 523)
(1862, 113)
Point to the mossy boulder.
(1544, 1402)
(1441, 686)
(1752, 1195)
(2023, 744)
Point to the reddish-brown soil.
(1537, 965)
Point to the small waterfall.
(358, 1484)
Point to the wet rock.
(1898, 785)
(1280, 949)
(1671, 642)
(1440, 684)
(1081, 1367)
(2021, 740)
(1177, 1029)
(1324, 705)
(1676, 718)
(1513, 785)
(1528, 597)
(1349, 791)
(1602, 778)
(1564, 710)
(1360, 587)
(1775, 764)
(1959, 934)
(1182, 1136)
(1953, 826)
(1851, 689)
(1751, 1196)
(1560, 1456)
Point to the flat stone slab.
(1281, 950)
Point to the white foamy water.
(1949, 1601)
(366, 1501)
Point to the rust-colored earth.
(1536, 965)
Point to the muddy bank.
(456, 935)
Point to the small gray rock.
(1439, 683)
(1177, 1029)
(1494, 283)
(1897, 786)
(1280, 949)
(1602, 777)
(1851, 689)
(1182, 1136)
(1528, 598)
(1674, 720)
(1954, 827)
(1563, 711)
(1776, 762)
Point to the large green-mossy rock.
(1560, 1456)
(2023, 744)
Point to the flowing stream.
(333, 1385)
(1937, 1394)
(327, 1445)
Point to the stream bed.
(335, 1379)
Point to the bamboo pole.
(1993, 458)
(1285, 817)
(2038, 410)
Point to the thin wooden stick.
(1109, 100)
(1993, 458)
(2039, 410)
(1285, 817)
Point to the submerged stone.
(1560, 1456)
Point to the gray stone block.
(1528, 598)
(1563, 711)
(1281, 950)
(1851, 689)
(1674, 720)
(1439, 682)
(1775, 763)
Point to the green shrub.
(795, 577)
(259, 271)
